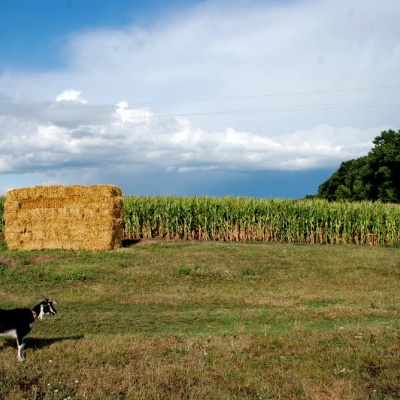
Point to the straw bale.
(64, 217)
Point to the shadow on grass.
(36, 344)
(129, 242)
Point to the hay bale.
(64, 217)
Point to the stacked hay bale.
(64, 217)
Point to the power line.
(309, 107)
(280, 109)
(266, 95)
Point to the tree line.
(374, 177)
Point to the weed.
(185, 270)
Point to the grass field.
(206, 320)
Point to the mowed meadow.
(225, 317)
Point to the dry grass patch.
(353, 364)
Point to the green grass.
(206, 320)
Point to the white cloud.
(129, 136)
(71, 95)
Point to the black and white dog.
(18, 322)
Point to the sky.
(191, 98)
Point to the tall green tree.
(375, 176)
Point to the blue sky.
(242, 98)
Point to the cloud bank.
(70, 133)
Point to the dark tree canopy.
(375, 176)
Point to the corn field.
(273, 220)
(249, 219)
